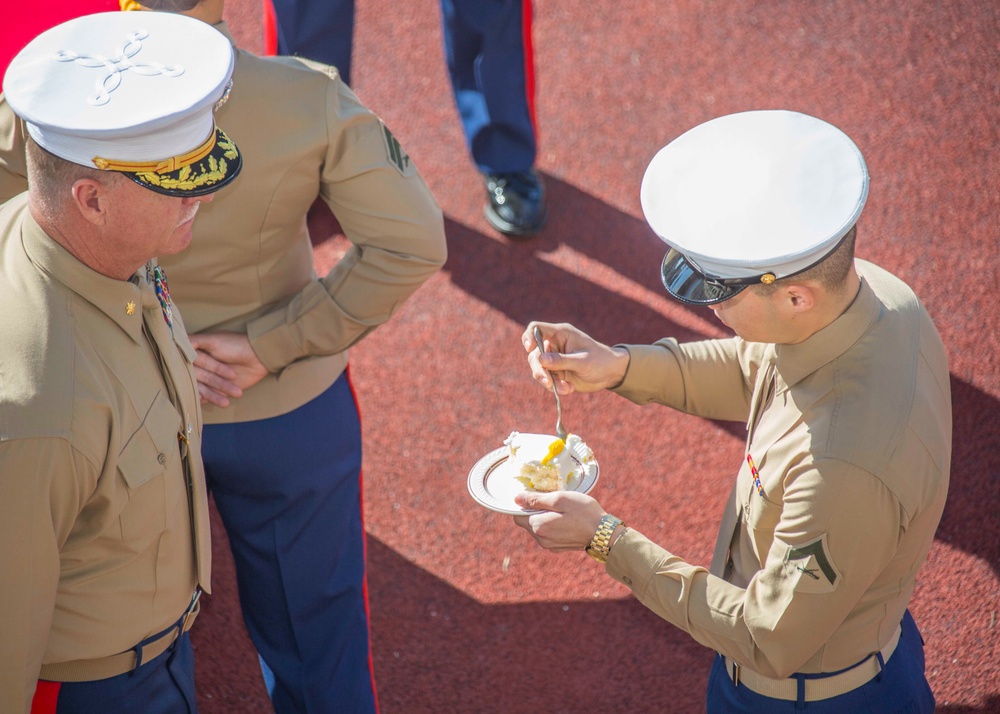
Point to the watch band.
(600, 546)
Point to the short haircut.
(50, 177)
(831, 272)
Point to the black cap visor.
(691, 286)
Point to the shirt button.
(161, 458)
(627, 580)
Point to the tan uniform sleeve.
(13, 164)
(785, 614)
(397, 233)
(701, 378)
(43, 484)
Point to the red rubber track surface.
(468, 615)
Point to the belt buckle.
(736, 673)
(192, 612)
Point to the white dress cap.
(133, 92)
(760, 192)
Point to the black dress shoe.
(516, 204)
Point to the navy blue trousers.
(490, 56)
(288, 490)
(164, 685)
(900, 689)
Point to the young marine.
(842, 381)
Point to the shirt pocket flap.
(153, 446)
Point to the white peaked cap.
(759, 192)
(123, 88)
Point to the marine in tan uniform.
(282, 443)
(842, 381)
(104, 543)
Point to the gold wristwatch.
(600, 545)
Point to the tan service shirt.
(97, 547)
(249, 268)
(303, 134)
(850, 436)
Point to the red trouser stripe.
(270, 29)
(46, 697)
(364, 583)
(527, 13)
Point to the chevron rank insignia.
(394, 149)
(811, 567)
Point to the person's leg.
(900, 687)
(320, 30)
(164, 685)
(489, 53)
(288, 492)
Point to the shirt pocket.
(144, 464)
(761, 506)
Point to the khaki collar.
(115, 298)
(795, 362)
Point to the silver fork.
(560, 431)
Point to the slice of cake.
(546, 463)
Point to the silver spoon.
(560, 431)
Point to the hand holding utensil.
(560, 431)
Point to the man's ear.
(90, 198)
(800, 297)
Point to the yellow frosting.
(554, 448)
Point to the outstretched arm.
(578, 362)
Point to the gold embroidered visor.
(203, 170)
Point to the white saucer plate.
(492, 482)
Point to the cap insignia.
(767, 278)
(225, 95)
(113, 79)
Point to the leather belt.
(816, 687)
(89, 670)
